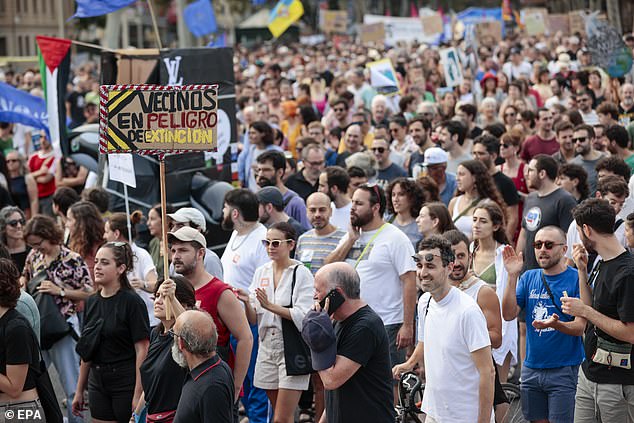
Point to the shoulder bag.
(296, 352)
(53, 324)
(90, 338)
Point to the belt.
(112, 366)
(11, 404)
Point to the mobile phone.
(336, 299)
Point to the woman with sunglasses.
(22, 184)
(111, 372)
(143, 277)
(267, 303)
(85, 228)
(404, 200)
(12, 221)
(68, 281)
(489, 240)
(508, 116)
(475, 186)
(162, 378)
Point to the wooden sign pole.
(166, 264)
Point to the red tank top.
(207, 299)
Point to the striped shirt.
(313, 249)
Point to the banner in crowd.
(400, 29)
(535, 20)
(333, 21)
(147, 119)
(383, 77)
(558, 22)
(432, 24)
(606, 46)
(451, 64)
(17, 106)
(372, 33)
(54, 58)
(90, 8)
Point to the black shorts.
(499, 397)
(110, 391)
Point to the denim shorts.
(549, 393)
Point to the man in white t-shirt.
(245, 253)
(453, 337)
(334, 183)
(382, 255)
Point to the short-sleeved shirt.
(313, 249)
(161, 377)
(590, 167)
(613, 297)
(552, 209)
(535, 145)
(125, 323)
(387, 257)
(207, 395)
(387, 175)
(367, 396)
(18, 345)
(300, 185)
(244, 254)
(68, 270)
(295, 207)
(548, 348)
(506, 186)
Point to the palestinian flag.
(54, 55)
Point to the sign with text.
(333, 21)
(535, 20)
(121, 169)
(489, 33)
(450, 60)
(383, 77)
(148, 119)
(372, 33)
(432, 24)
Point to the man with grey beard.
(208, 391)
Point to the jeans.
(549, 393)
(255, 401)
(62, 354)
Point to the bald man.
(208, 391)
(316, 244)
(358, 385)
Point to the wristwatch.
(62, 293)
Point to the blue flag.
(17, 106)
(89, 8)
(200, 18)
(219, 41)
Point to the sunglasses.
(380, 150)
(580, 139)
(548, 244)
(15, 222)
(12, 160)
(505, 145)
(509, 114)
(117, 244)
(429, 257)
(275, 243)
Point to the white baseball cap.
(189, 214)
(435, 155)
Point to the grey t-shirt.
(552, 209)
(27, 307)
(590, 167)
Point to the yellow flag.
(285, 13)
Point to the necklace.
(233, 247)
(463, 286)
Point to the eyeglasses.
(275, 243)
(315, 164)
(429, 257)
(12, 160)
(505, 145)
(548, 244)
(380, 150)
(509, 114)
(15, 222)
(580, 139)
(35, 244)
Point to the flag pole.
(166, 265)
(156, 31)
(127, 211)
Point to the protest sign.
(400, 29)
(535, 20)
(432, 24)
(147, 119)
(372, 33)
(451, 64)
(576, 22)
(489, 33)
(333, 21)
(383, 77)
(121, 169)
(558, 22)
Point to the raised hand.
(580, 257)
(513, 262)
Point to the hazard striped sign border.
(103, 113)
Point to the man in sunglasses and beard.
(453, 337)
(554, 348)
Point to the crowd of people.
(471, 233)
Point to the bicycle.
(410, 395)
(514, 415)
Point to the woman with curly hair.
(85, 228)
(404, 200)
(475, 186)
(12, 221)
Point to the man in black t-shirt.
(358, 382)
(607, 302)
(486, 149)
(208, 391)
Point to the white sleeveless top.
(464, 223)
